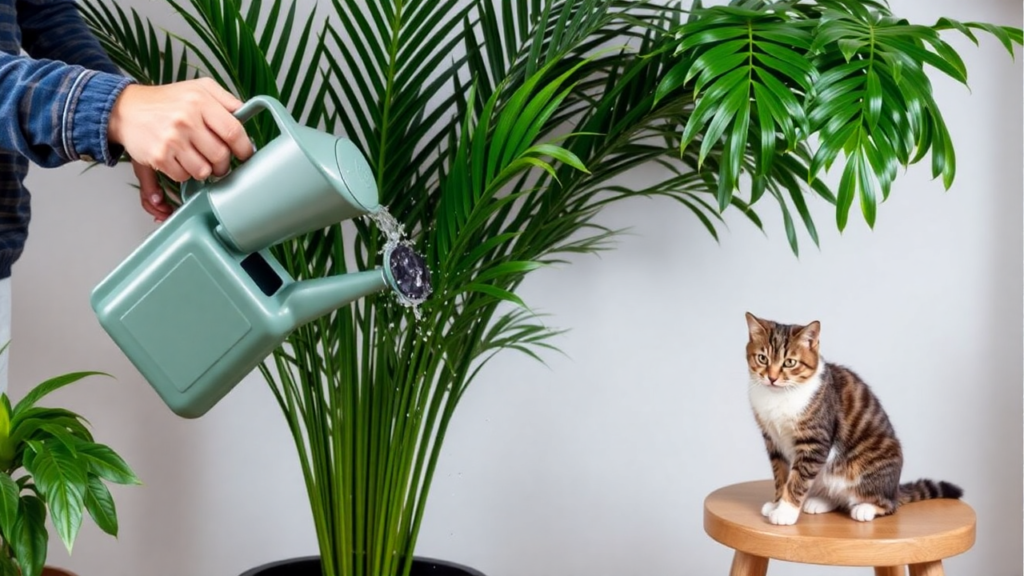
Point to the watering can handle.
(276, 109)
(244, 113)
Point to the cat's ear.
(809, 334)
(756, 326)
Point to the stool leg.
(891, 571)
(927, 569)
(744, 564)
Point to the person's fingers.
(157, 214)
(213, 150)
(226, 99)
(170, 166)
(194, 164)
(229, 130)
(150, 193)
(148, 182)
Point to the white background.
(598, 464)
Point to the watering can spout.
(310, 299)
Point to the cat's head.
(782, 355)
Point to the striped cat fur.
(829, 440)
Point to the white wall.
(598, 465)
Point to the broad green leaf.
(26, 423)
(5, 419)
(786, 97)
(758, 186)
(766, 124)
(100, 505)
(1006, 35)
(829, 148)
(61, 478)
(847, 191)
(49, 386)
(9, 492)
(951, 69)
(831, 115)
(733, 103)
(737, 143)
(868, 203)
(883, 161)
(30, 536)
(850, 47)
(771, 107)
(709, 104)
(873, 101)
(8, 566)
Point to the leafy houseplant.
(497, 130)
(49, 461)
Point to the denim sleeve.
(53, 113)
(53, 30)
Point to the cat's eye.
(762, 359)
(789, 363)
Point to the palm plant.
(497, 130)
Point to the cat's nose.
(772, 380)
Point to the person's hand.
(183, 129)
(151, 194)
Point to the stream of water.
(407, 268)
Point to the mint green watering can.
(202, 301)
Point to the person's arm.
(53, 29)
(183, 129)
(53, 113)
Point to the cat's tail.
(925, 489)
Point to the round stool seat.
(917, 533)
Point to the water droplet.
(407, 268)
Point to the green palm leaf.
(744, 65)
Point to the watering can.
(203, 301)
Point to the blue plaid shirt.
(54, 104)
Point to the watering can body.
(202, 301)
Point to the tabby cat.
(829, 440)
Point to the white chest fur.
(780, 409)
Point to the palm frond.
(135, 46)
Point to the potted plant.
(497, 130)
(51, 465)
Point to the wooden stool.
(918, 535)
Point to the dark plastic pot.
(310, 566)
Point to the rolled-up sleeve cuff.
(85, 117)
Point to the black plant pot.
(310, 566)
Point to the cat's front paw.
(767, 508)
(785, 514)
(814, 505)
(864, 512)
